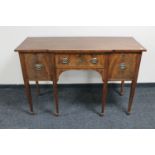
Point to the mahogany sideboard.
(114, 58)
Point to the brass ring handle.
(38, 67)
(65, 60)
(94, 60)
(122, 66)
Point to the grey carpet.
(79, 107)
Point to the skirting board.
(77, 85)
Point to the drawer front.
(79, 61)
(122, 66)
(37, 66)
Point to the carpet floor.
(79, 106)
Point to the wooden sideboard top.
(80, 44)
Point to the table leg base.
(101, 114)
(121, 94)
(31, 112)
(56, 114)
(128, 113)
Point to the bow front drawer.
(37, 66)
(79, 60)
(122, 66)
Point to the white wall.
(11, 37)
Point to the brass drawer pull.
(65, 60)
(122, 66)
(94, 60)
(38, 67)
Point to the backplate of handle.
(65, 60)
(38, 67)
(122, 66)
(94, 60)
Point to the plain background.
(12, 36)
(77, 13)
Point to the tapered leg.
(104, 95)
(105, 83)
(132, 92)
(28, 93)
(55, 91)
(133, 84)
(122, 88)
(38, 89)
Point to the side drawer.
(37, 66)
(79, 61)
(122, 66)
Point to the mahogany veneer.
(115, 58)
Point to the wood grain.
(26, 81)
(80, 61)
(72, 44)
(134, 83)
(105, 85)
(38, 58)
(115, 71)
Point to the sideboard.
(114, 58)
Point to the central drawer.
(79, 60)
